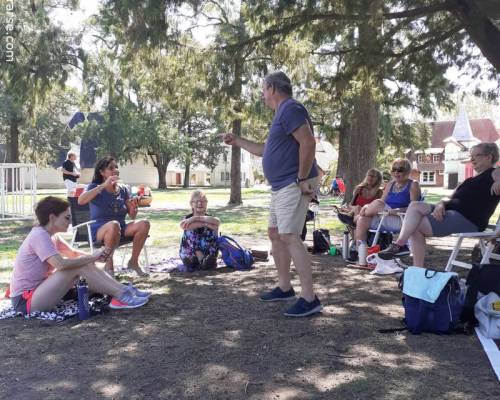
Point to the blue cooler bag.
(431, 300)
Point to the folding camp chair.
(384, 214)
(486, 247)
(81, 233)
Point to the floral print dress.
(201, 239)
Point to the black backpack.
(484, 278)
(321, 240)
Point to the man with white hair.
(290, 167)
(70, 172)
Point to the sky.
(72, 20)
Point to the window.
(436, 158)
(420, 157)
(428, 177)
(222, 176)
(224, 157)
(227, 176)
(242, 157)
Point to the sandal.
(138, 270)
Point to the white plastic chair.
(486, 247)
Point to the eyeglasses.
(199, 201)
(111, 167)
(478, 155)
(400, 169)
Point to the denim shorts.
(22, 303)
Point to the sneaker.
(278, 295)
(136, 292)
(303, 308)
(390, 252)
(127, 300)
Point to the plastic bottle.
(362, 252)
(345, 245)
(83, 299)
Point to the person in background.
(366, 192)
(199, 241)
(468, 210)
(70, 172)
(46, 267)
(110, 203)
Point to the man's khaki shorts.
(287, 211)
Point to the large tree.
(41, 57)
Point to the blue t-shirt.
(280, 160)
(107, 207)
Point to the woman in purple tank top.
(468, 210)
(398, 194)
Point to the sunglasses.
(400, 170)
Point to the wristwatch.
(298, 180)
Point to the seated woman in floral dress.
(199, 242)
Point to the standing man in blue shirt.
(290, 167)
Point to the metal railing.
(17, 191)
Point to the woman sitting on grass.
(109, 205)
(46, 267)
(199, 242)
(366, 192)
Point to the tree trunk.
(187, 173)
(343, 149)
(162, 179)
(478, 23)
(363, 128)
(13, 153)
(161, 163)
(235, 197)
(362, 140)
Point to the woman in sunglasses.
(110, 203)
(46, 267)
(468, 210)
(397, 195)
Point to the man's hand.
(306, 188)
(230, 139)
(439, 212)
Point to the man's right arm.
(252, 147)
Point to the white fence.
(17, 191)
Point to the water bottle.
(83, 299)
(345, 245)
(362, 252)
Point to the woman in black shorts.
(468, 210)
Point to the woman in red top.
(367, 191)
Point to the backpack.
(484, 278)
(321, 240)
(234, 255)
(432, 300)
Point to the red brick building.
(444, 164)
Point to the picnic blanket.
(64, 310)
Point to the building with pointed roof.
(445, 163)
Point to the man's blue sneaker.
(278, 295)
(303, 308)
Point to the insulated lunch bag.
(431, 300)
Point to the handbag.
(488, 317)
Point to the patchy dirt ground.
(206, 336)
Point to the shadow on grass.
(208, 337)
